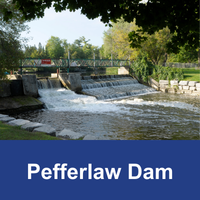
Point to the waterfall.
(48, 83)
(111, 87)
(101, 87)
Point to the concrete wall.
(153, 83)
(123, 70)
(5, 89)
(30, 87)
(71, 81)
(11, 88)
(16, 88)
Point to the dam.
(117, 108)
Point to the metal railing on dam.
(30, 62)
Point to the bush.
(143, 69)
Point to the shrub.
(143, 69)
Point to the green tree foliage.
(184, 56)
(82, 49)
(180, 16)
(156, 46)
(55, 47)
(116, 41)
(10, 41)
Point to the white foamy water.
(173, 104)
(114, 88)
(67, 100)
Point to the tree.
(156, 46)
(81, 49)
(55, 47)
(180, 16)
(184, 56)
(116, 41)
(10, 41)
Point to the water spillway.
(111, 87)
(152, 115)
(47, 83)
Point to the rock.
(46, 129)
(18, 122)
(66, 133)
(187, 91)
(3, 115)
(198, 88)
(163, 82)
(193, 88)
(183, 83)
(192, 83)
(174, 82)
(174, 86)
(186, 87)
(31, 126)
(89, 137)
(171, 90)
(180, 87)
(163, 86)
(6, 119)
(164, 90)
(180, 91)
(198, 85)
(197, 93)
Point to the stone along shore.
(65, 134)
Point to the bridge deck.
(25, 63)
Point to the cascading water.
(48, 83)
(114, 87)
(152, 115)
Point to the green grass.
(8, 132)
(112, 70)
(191, 74)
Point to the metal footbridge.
(36, 63)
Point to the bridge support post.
(58, 71)
(68, 61)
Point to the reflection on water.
(145, 117)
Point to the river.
(147, 115)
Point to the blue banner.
(156, 170)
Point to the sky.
(65, 25)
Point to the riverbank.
(8, 132)
(16, 104)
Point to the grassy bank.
(8, 132)
(191, 74)
(112, 71)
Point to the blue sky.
(65, 25)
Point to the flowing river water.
(122, 110)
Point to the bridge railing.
(29, 62)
